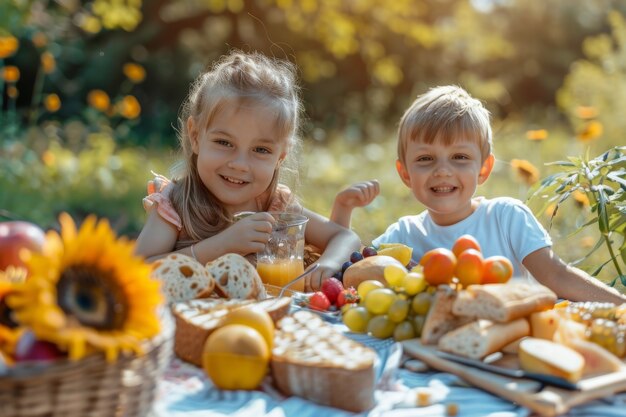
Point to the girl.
(238, 133)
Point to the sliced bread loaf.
(313, 360)
(197, 319)
(236, 278)
(440, 319)
(183, 278)
(483, 337)
(503, 302)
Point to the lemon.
(254, 317)
(236, 357)
(398, 251)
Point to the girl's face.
(444, 177)
(238, 154)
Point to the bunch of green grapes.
(398, 310)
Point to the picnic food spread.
(453, 301)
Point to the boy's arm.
(567, 281)
(357, 195)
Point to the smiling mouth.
(447, 189)
(233, 180)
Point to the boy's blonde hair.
(238, 79)
(445, 114)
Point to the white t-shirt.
(502, 226)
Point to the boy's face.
(444, 177)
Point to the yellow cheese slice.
(546, 357)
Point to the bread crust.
(313, 360)
(197, 319)
(183, 278)
(440, 319)
(483, 337)
(503, 302)
(235, 277)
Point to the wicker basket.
(89, 387)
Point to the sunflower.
(525, 171)
(10, 331)
(88, 292)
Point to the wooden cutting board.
(546, 401)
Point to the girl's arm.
(336, 243)
(248, 235)
(357, 195)
(157, 238)
(567, 281)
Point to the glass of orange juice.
(282, 259)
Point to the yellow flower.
(586, 112)
(12, 91)
(48, 158)
(540, 134)
(592, 130)
(40, 40)
(525, 171)
(129, 107)
(587, 242)
(10, 331)
(87, 291)
(8, 46)
(580, 198)
(11, 74)
(135, 72)
(99, 100)
(52, 103)
(550, 210)
(47, 62)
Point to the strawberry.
(332, 287)
(318, 301)
(347, 296)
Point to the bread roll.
(440, 319)
(503, 302)
(197, 319)
(483, 337)
(236, 278)
(372, 267)
(183, 278)
(313, 360)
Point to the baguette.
(440, 319)
(235, 277)
(483, 337)
(183, 278)
(313, 360)
(503, 302)
(197, 319)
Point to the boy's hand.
(248, 235)
(358, 195)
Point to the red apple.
(15, 236)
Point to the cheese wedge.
(546, 357)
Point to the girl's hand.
(313, 281)
(248, 235)
(358, 195)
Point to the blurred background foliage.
(91, 89)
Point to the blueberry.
(355, 257)
(369, 251)
(339, 276)
(345, 266)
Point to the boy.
(444, 153)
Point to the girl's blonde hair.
(448, 114)
(238, 78)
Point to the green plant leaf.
(598, 245)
